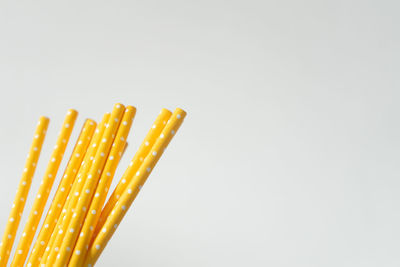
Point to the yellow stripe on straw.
(65, 250)
(102, 188)
(134, 186)
(73, 195)
(44, 190)
(134, 165)
(55, 209)
(23, 190)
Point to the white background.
(289, 155)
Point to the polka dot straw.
(72, 199)
(78, 225)
(44, 190)
(62, 191)
(102, 188)
(135, 185)
(23, 190)
(62, 257)
(134, 165)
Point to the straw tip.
(44, 119)
(130, 109)
(165, 111)
(118, 106)
(90, 122)
(72, 112)
(180, 112)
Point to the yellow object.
(102, 188)
(44, 190)
(62, 191)
(58, 232)
(134, 165)
(23, 190)
(64, 252)
(134, 186)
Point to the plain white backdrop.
(289, 155)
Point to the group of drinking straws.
(79, 222)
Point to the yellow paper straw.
(76, 188)
(93, 176)
(134, 165)
(62, 192)
(134, 186)
(23, 190)
(102, 188)
(44, 190)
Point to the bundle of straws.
(79, 222)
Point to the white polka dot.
(11, 219)
(56, 249)
(124, 123)
(96, 195)
(154, 153)
(146, 143)
(78, 252)
(71, 230)
(123, 207)
(42, 243)
(111, 157)
(46, 226)
(108, 174)
(104, 230)
(19, 251)
(123, 181)
(62, 189)
(115, 226)
(102, 154)
(97, 247)
(87, 191)
(172, 132)
(93, 211)
(129, 191)
(148, 169)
